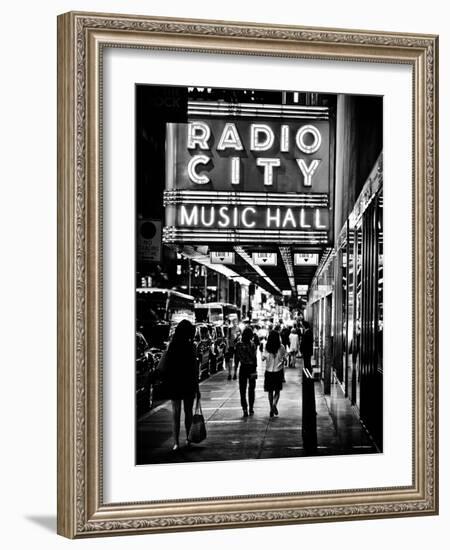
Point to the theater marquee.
(243, 172)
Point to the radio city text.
(307, 139)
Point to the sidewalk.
(232, 437)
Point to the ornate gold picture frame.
(82, 40)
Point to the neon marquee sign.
(308, 140)
(249, 217)
(231, 174)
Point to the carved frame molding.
(81, 39)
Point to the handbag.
(197, 433)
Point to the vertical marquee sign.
(243, 173)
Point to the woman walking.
(232, 334)
(294, 342)
(180, 372)
(246, 359)
(274, 357)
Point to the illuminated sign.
(251, 217)
(240, 170)
(306, 259)
(264, 258)
(222, 257)
(278, 156)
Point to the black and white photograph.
(259, 274)
(221, 275)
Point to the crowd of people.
(279, 346)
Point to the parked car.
(217, 347)
(158, 337)
(203, 343)
(145, 366)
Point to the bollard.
(309, 423)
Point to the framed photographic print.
(247, 285)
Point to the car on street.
(218, 347)
(157, 337)
(145, 366)
(203, 345)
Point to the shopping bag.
(197, 433)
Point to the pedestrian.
(285, 332)
(230, 344)
(256, 339)
(262, 333)
(293, 346)
(306, 346)
(246, 359)
(179, 370)
(274, 357)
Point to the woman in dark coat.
(246, 358)
(180, 373)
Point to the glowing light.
(245, 256)
(230, 138)
(244, 217)
(225, 218)
(185, 219)
(211, 221)
(300, 137)
(204, 260)
(201, 179)
(303, 224)
(255, 110)
(307, 171)
(198, 236)
(270, 218)
(268, 165)
(198, 134)
(318, 224)
(201, 196)
(284, 140)
(221, 216)
(289, 218)
(235, 171)
(256, 144)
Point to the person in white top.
(274, 356)
(293, 347)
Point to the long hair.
(182, 337)
(273, 342)
(247, 335)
